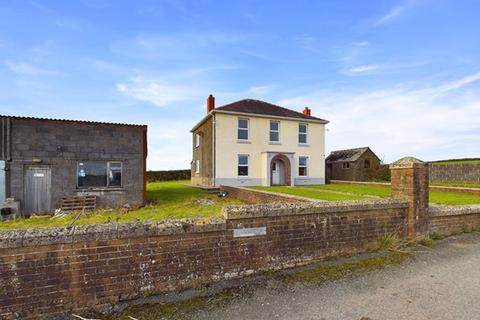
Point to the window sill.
(303, 145)
(243, 141)
(276, 143)
(98, 189)
(243, 177)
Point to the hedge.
(168, 175)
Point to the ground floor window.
(242, 165)
(197, 166)
(99, 174)
(302, 166)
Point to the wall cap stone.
(445, 211)
(315, 207)
(407, 162)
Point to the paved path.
(441, 283)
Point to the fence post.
(410, 182)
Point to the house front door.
(278, 178)
(37, 187)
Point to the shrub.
(168, 175)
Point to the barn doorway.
(37, 189)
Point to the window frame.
(270, 132)
(107, 184)
(303, 133)
(243, 165)
(197, 140)
(197, 166)
(247, 129)
(303, 166)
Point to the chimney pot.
(210, 103)
(307, 111)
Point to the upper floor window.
(243, 125)
(302, 166)
(197, 140)
(243, 165)
(302, 133)
(274, 131)
(99, 174)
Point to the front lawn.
(339, 191)
(166, 200)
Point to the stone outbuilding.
(42, 161)
(359, 164)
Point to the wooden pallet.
(76, 203)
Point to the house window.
(367, 164)
(242, 165)
(274, 131)
(346, 165)
(302, 133)
(197, 140)
(302, 166)
(197, 166)
(242, 129)
(99, 174)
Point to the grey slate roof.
(264, 108)
(347, 155)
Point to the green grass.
(378, 191)
(358, 192)
(456, 184)
(457, 161)
(166, 200)
(313, 194)
(453, 198)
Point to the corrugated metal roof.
(69, 120)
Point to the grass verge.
(456, 184)
(166, 200)
(312, 194)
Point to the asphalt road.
(440, 283)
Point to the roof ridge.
(72, 120)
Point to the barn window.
(346, 165)
(99, 174)
(197, 140)
(367, 164)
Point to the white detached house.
(252, 142)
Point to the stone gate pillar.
(410, 182)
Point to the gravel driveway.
(440, 283)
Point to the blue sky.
(400, 76)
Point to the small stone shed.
(44, 160)
(357, 164)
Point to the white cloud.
(435, 122)
(360, 43)
(155, 92)
(394, 13)
(26, 69)
(362, 69)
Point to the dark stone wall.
(60, 145)
(455, 172)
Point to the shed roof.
(69, 120)
(347, 155)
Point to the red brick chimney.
(210, 103)
(307, 111)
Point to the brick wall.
(260, 196)
(47, 273)
(453, 219)
(455, 172)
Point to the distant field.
(456, 161)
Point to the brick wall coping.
(108, 231)
(315, 207)
(442, 211)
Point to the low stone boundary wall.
(259, 196)
(453, 219)
(455, 172)
(52, 272)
